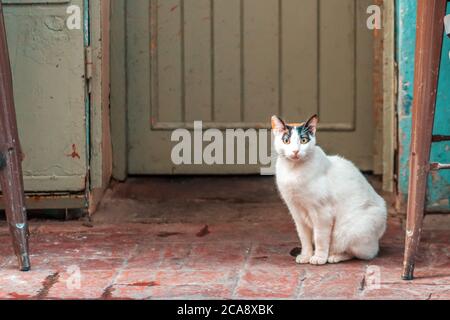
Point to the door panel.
(235, 63)
(197, 60)
(299, 59)
(47, 63)
(227, 101)
(260, 60)
(337, 62)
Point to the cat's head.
(294, 141)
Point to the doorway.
(235, 63)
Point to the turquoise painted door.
(438, 197)
(47, 60)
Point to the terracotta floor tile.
(210, 238)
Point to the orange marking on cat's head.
(276, 123)
(296, 124)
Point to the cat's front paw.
(318, 260)
(303, 258)
(336, 258)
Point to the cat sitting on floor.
(337, 213)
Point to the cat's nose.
(296, 152)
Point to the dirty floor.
(207, 238)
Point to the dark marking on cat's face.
(294, 141)
(287, 135)
(303, 131)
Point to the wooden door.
(47, 61)
(235, 63)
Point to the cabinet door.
(48, 67)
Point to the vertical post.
(10, 158)
(430, 26)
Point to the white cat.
(337, 213)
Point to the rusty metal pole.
(10, 158)
(430, 27)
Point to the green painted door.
(49, 89)
(235, 63)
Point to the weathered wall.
(439, 182)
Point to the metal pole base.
(20, 235)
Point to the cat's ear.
(312, 123)
(278, 124)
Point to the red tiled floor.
(19, 285)
(142, 284)
(267, 283)
(328, 283)
(175, 256)
(212, 256)
(211, 291)
(161, 240)
(87, 285)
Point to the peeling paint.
(74, 154)
(438, 192)
(54, 23)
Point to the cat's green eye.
(304, 140)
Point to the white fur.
(337, 213)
